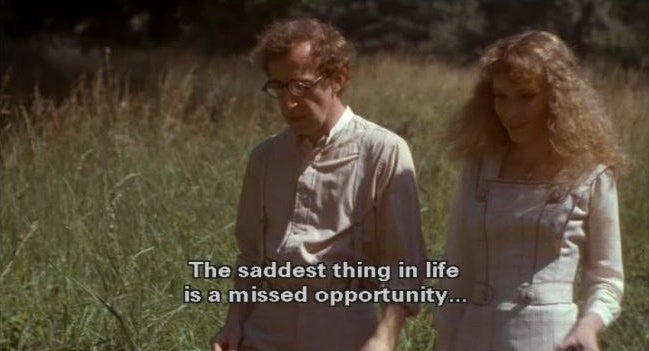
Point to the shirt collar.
(340, 125)
(337, 128)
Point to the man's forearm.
(391, 323)
(238, 312)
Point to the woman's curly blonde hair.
(580, 131)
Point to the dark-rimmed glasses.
(296, 87)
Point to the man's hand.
(227, 339)
(376, 343)
(584, 336)
(387, 331)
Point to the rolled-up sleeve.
(398, 217)
(603, 284)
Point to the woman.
(537, 198)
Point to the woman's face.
(521, 108)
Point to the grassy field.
(106, 194)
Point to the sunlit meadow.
(106, 194)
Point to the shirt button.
(525, 293)
(482, 194)
(380, 168)
(529, 297)
(555, 195)
(484, 296)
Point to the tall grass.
(107, 194)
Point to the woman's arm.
(603, 281)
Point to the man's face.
(313, 114)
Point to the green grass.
(107, 194)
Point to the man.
(332, 187)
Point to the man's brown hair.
(330, 52)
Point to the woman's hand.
(584, 336)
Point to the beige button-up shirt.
(302, 203)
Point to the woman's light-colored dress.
(519, 245)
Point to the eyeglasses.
(296, 87)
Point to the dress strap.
(488, 167)
(599, 169)
(483, 168)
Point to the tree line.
(452, 29)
